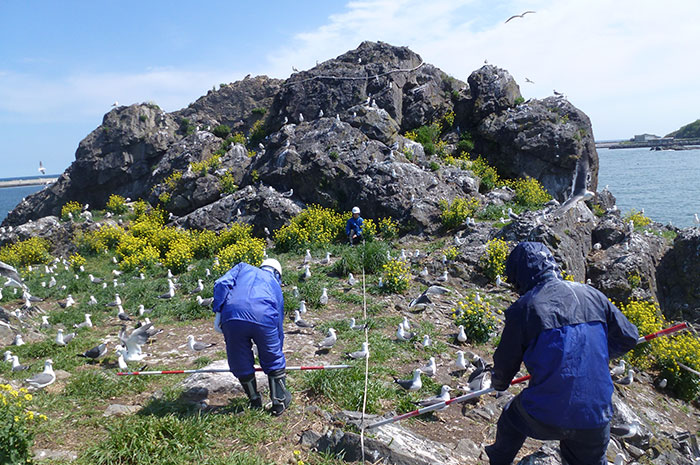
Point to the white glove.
(217, 322)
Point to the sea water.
(666, 184)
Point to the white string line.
(364, 396)
(354, 78)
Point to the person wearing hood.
(249, 308)
(353, 227)
(565, 333)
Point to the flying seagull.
(134, 341)
(42, 170)
(10, 273)
(520, 15)
(528, 80)
(579, 187)
(43, 379)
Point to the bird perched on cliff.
(618, 369)
(115, 104)
(461, 335)
(18, 341)
(10, 274)
(301, 118)
(520, 15)
(627, 380)
(16, 366)
(431, 368)
(42, 170)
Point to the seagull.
(302, 306)
(115, 104)
(199, 288)
(329, 341)
(430, 368)
(424, 272)
(42, 170)
(459, 241)
(299, 322)
(424, 298)
(520, 15)
(43, 379)
(323, 300)
(478, 380)
(134, 341)
(499, 281)
(460, 362)
(122, 315)
(16, 366)
(18, 340)
(362, 353)
(662, 383)
(444, 396)
(120, 360)
(11, 274)
(8, 356)
(444, 277)
(381, 282)
(92, 301)
(197, 346)
(307, 257)
(87, 323)
(286, 120)
(696, 219)
(512, 215)
(351, 279)
(171, 292)
(406, 324)
(529, 81)
(96, 352)
(327, 260)
(52, 282)
(426, 341)
(62, 340)
(288, 194)
(402, 335)
(355, 326)
(618, 369)
(625, 430)
(307, 272)
(261, 147)
(461, 335)
(117, 301)
(627, 380)
(320, 114)
(413, 384)
(477, 298)
(579, 190)
(301, 118)
(205, 302)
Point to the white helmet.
(272, 263)
(355, 210)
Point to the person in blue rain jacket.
(249, 308)
(565, 333)
(353, 227)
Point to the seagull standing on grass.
(302, 306)
(307, 272)
(122, 315)
(426, 341)
(171, 291)
(8, 356)
(117, 301)
(362, 353)
(18, 340)
(323, 300)
(627, 380)
(351, 279)
(43, 379)
(96, 352)
(413, 384)
(204, 302)
(16, 366)
(327, 260)
(307, 257)
(329, 341)
(403, 335)
(431, 368)
(355, 326)
(62, 339)
(87, 323)
(197, 346)
(199, 288)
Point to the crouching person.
(249, 308)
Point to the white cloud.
(630, 65)
(78, 96)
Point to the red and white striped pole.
(225, 370)
(474, 394)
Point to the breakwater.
(27, 182)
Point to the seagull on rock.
(627, 380)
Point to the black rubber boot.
(250, 387)
(279, 394)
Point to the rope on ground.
(354, 78)
(364, 315)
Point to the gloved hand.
(217, 322)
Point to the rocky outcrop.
(396, 79)
(262, 207)
(492, 90)
(115, 158)
(237, 105)
(678, 277)
(349, 169)
(542, 139)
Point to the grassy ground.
(167, 430)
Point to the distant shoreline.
(27, 182)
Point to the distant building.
(644, 138)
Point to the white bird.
(87, 323)
(625, 430)
(327, 259)
(459, 241)
(431, 368)
(286, 120)
(424, 272)
(143, 310)
(69, 302)
(627, 380)
(171, 291)
(520, 15)
(403, 335)
(299, 322)
(351, 279)
(329, 341)
(43, 379)
(618, 369)
(307, 257)
(579, 186)
(18, 340)
(426, 341)
(199, 288)
(662, 383)
(301, 118)
(197, 346)
(52, 282)
(8, 356)
(444, 277)
(696, 219)
(92, 301)
(320, 114)
(42, 170)
(478, 380)
(207, 272)
(461, 335)
(205, 302)
(117, 301)
(307, 272)
(133, 342)
(499, 281)
(444, 396)
(295, 291)
(381, 282)
(120, 360)
(477, 298)
(337, 117)
(512, 214)
(403, 256)
(460, 362)
(406, 324)
(362, 353)
(413, 384)
(16, 366)
(354, 325)
(302, 306)
(62, 339)
(323, 300)
(122, 315)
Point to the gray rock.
(200, 386)
(41, 455)
(678, 276)
(546, 455)
(375, 123)
(120, 410)
(492, 90)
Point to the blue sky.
(628, 64)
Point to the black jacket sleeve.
(622, 335)
(509, 354)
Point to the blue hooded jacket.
(354, 223)
(252, 294)
(565, 333)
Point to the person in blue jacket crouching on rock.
(249, 308)
(565, 333)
